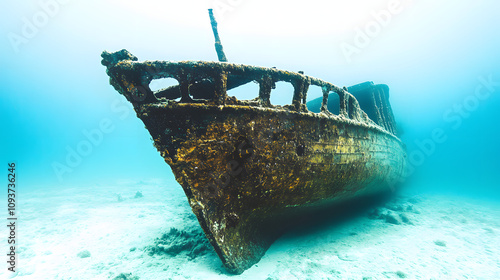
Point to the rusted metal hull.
(249, 167)
(247, 171)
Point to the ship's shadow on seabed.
(191, 241)
(327, 219)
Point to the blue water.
(64, 125)
(431, 55)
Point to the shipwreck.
(248, 167)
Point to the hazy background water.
(435, 57)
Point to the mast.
(218, 44)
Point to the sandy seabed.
(113, 233)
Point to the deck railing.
(132, 79)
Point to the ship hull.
(248, 172)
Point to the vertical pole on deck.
(218, 44)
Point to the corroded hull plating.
(248, 171)
(250, 168)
